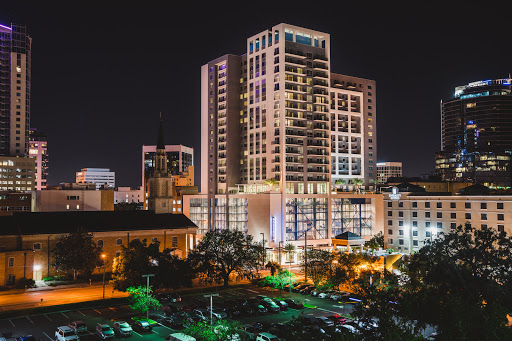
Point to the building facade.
(128, 195)
(27, 249)
(15, 80)
(179, 159)
(102, 177)
(17, 173)
(38, 149)
(72, 200)
(476, 134)
(11, 202)
(386, 170)
(413, 218)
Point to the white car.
(122, 328)
(266, 337)
(218, 314)
(64, 333)
(325, 294)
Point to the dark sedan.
(295, 304)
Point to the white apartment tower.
(278, 112)
(99, 176)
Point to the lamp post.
(264, 251)
(147, 295)
(211, 306)
(279, 250)
(104, 266)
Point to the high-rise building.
(15, 73)
(277, 112)
(476, 134)
(102, 177)
(38, 149)
(17, 173)
(386, 170)
(277, 130)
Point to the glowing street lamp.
(103, 256)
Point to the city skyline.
(98, 107)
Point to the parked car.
(270, 305)
(340, 295)
(323, 321)
(64, 333)
(104, 331)
(326, 294)
(141, 326)
(259, 308)
(23, 338)
(218, 313)
(299, 287)
(202, 313)
(189, 308)
(316, 292)
(174, 321)
(162, 297)
(121, 328)
(78, 326)
(251, 331)
(189, 318)
(337, 319)
(170, 310)
(174, 297)
(307, 290)
(281, 303)
(266, 337)
(245, 308)
(293, 303)
(180, 337)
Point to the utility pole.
(104, 266)
(211, 306)
(147, 295)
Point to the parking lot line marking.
(48, 317)
(81, 313)
(155, 332)
(330, 311)
(137, 333)
(64, 315)
(12, 323)
(28, 318)
(99, 312)
(47, 336)
(252, 291)
(164, 326)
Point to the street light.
(211, 306)
(147, 295)
(279, 250)
(264, 252)
(104, 266)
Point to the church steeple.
(160, 184)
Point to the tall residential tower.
(15, 66)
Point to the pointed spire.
(160, 141)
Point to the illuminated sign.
(273, 229)
(394, 194)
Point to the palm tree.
(289, 248)
(340, 182)
(272, 182)
(357, 182)
(273, 266)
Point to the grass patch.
(309, 306)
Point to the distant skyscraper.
(100, 176)
(476, 134)
(38, 149)
(15, 79)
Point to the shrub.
(24, 282)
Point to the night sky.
(102, 73)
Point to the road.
(43, 326)
(53, 296)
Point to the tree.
(223, 252)
(379, 312)
(219, 330)
(460, 282)
(282, 279)
(340, 182)
(76, 253)
(139, 258)
(273, 266)
(348, 266)
(376, 241)
(319, 265)
(272, 182)
(357, 182)
(141, 299)
(289, 249)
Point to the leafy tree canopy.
(141, 299)
(76, 253)
(223, 252)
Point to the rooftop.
(26, 223)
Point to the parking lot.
(43, 326)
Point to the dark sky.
(102, 73)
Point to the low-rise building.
(102, 177)
(59, 200)
(386, 170)
(413, 217)
(11, 202)
(27, 239)
(128, 195)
